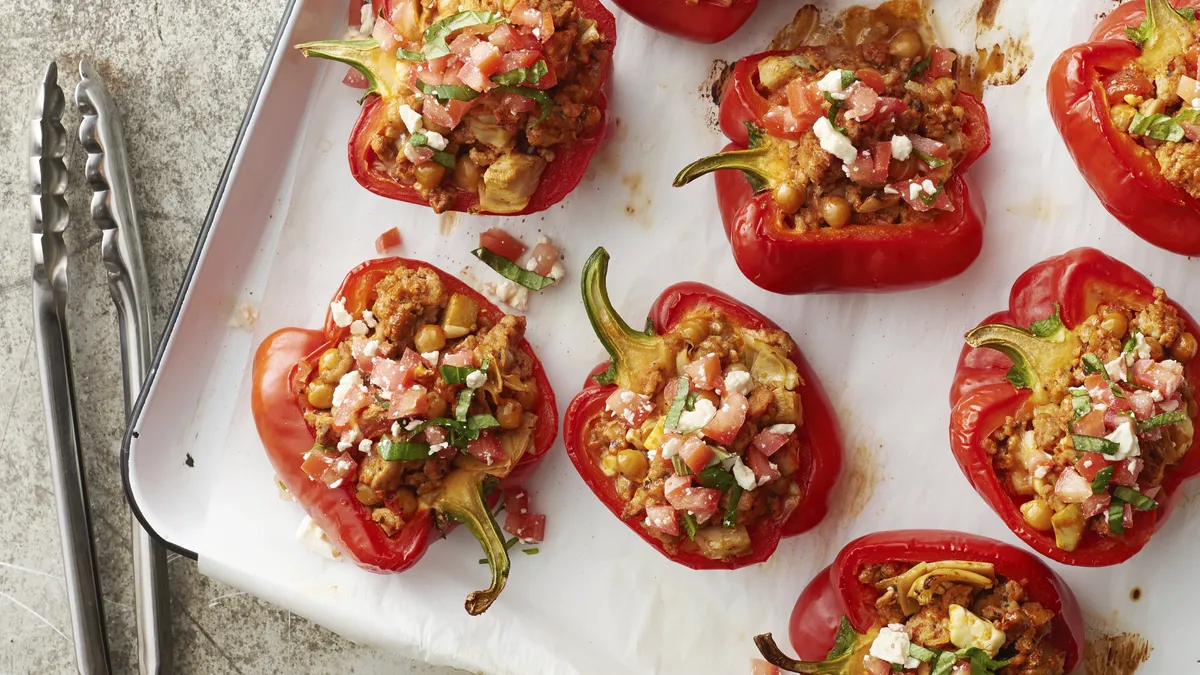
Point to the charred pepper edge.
(625, 346)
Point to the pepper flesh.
(557, 181)
(836, 591)
(279, 416)
(1125, 176)
(706, 21)
(982, 400)
(817, 441)
(858, 257)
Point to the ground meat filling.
(951, 606)
(489, 117)
(1120, 415)
(712, 451)
(420, 353)
(877, 132)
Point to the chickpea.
(437, 405)
(1156, 348)
(430, 174)
(632, 464)
(1114, 323)
(467, 174)
(709, 396)
(694, 330)
(509, 413)
(790, 197)
(430, 338)
(528, 398)
(1184, 349)
(835, 211)
(320, 395)
(906, 44)
(406, 500)
(368, 496)
(328, 361)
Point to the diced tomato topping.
(392, 376)
(474, 78)
(768, 442)
(876, 666)
(1091, 424)
(696, 454)
(780, 122)
(1164, 377)
(701, 501)
(1129, 81)
(517, 104)
(1098, 389)
(355, 79)
(888, 106)
(1090, 464)
(358, 347)
(356, 399)
(663, 518)
(862, 169)
(1127, 518)
(316, 462)
(462, 358)
(1142, 403)
(860, 102)
(461, 46)
(509, 39)
(941, 62)
(1071, 487)
(728, 421)
(871, 78)
(805, 103)
(629, 406)
(448, 115)
(485, 61)
(408, 403)
(1096, 504)
(522, 58)
(387, 37)
(674, 485)
(543, 256)
(541, 22)
(387, 241)
(882, 154)
(434, 435)
(418, 154)
(331, 470)
(403, 16)
(760, 667)
(502, 243)
(761, 466)
(871, 167)
(516, 501)
(486, 448)
(529, 527)
(929, 146)
(1126, 472)
(1117, 415)
(705, 372)
(917, 199)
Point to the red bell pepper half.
(706, 21)
(983, 397)
(281, 367)
(859, 257)
(385, 86)
(636, 356)
(1125, 175)
(836, 617)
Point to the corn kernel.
(653, 440)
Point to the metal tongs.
(114, 212)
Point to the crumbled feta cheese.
(833, 142)
(1196, 103)
(430, 357)
(437, 447)
(901, 148)
(337, 309)
(1126, 438)
(739, 381)
(344, 446)
(435, 140)
(1116, 369)
(476, 379)
(366, 17)
(832, 84)
(782, 429)
(365, 446)
(928, 186)
(369, 318)
(245, 315)
(671, 447)
(396, 428)
(358, 328)
(1140, 346)
(313, 538)
(698, 417)
(371, 348)
(412, 119)
(891, 645)
(512, 294)
(889, 190)
(412, 424)
(914, 191)
(744, 475)
(557, 272)
(349, 381)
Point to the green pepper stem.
(635, 357)
(843, 665)
(1169, 36)
(462, 499)
(365, 56)
(1036, 360)
(752, 161)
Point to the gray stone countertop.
(182, 73)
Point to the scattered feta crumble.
(411, 118)
(901, 147)
(337, 309)
(510, 293)
(671, 447)
(412, 425)
(739, 381)
(1126, 439)
(437, 447)
(431, 358)
(914, 191)
(476, 379)
(245, 315)
(833, 142)
(371, 348)
(396, 428)
(892, 644)
(832, 84)
(314, 539)
(928, 186)
(698, 417)
(357, 327)
(557, 271)
(889, 190)
(1142, 349)
(1116, 369)
(349, 381)
(782, 429)
(365, 446)
(744, 475)
(366, 17)
(435, 140)
(369, 318)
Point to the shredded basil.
(689, 524)
(540, 97)
(393, 450)
(930, 160)
(459, 374)
(1157, 126)
(1048, 326)
(733, 496)
(1162, 420)
(463, 404)
(1116, 390)
(446, 92)
(690, 404)
(1116, 516)
(1102, 479)
(1081, 403)
(419, 139)
(511, 270)
(405, 55)
(680, 466)
(1092, 364)
(929, 199)
(920, 67)
(1139, 501)
(945, 664)
(716, 478)
(460, 431)
(848, 78)
(844, 640)
(435, 35)
(533, 74)
(835, 106)
(922, 654)
(682, 389)
(1094, 444)
(530, 551)
(1130, 344)
(981, 663)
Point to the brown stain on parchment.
(447, 222)
(858, 483)
(1120, 654)
(713, 88)
(985, 17)
(637, 206)
(1041, 207)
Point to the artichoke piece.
(918, 585)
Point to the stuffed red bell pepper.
(477, 108)
(1078, 430)
(1127, 104)
(933, 602)
(417, 400)
(707, 434)
(849, 167)
(706, 21)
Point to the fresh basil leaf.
(446, 92)
(754, 133)
(690, 403)
(463, 405)
(540, 97)
(680, 466)
(1157, 126)
(1139, 501)
(1019, 378)
(1102, 479)
(1116, 516)
(1048, 326)
(931, 161)
(481, 422)
(980, 659)
(405, 55)
(848, 78)
(435, 35)
(530, 551)
(1081, 403)
(1131, 343)
(533, 74)
(682, 389)
(945, 664)
(1116, 390)
(392, 450)
(689, 524)
(716, 478)
(1161, 420)
(456, 374)
(419, 140)
(835, 106)
(445, 159)
(844, 640)
(511, 270)
(920, 67)
(734, 496)
(929, 199)
(922, 654)
(1092, 364)
(1094, 444)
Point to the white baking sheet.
(597, 599)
